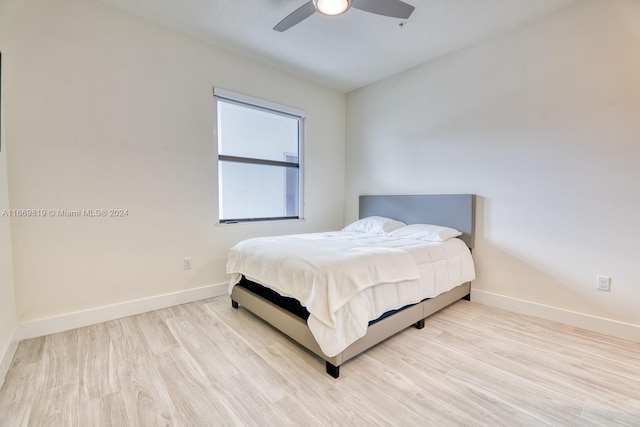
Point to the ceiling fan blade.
(393, 8)
(295, 17)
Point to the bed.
(287, 314)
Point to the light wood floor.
(205, 364)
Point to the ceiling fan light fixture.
(332, 7)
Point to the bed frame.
(451, 210)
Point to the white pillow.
(430, 232)
(374, 224)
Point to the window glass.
(248, 132)
(250, 191)
(259, 167)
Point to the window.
(259, 159)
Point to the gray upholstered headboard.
(449, 210)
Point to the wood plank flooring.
(205, 364)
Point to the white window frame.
(260, 104)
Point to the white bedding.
(346, 279)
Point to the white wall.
(543, 124)
(7, 297)
(104, 110)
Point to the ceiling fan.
(392, 8)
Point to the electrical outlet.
(187, 263)
(603, 283)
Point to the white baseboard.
(78, 319)
(601, 325)
(7, 358)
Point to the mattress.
(347, 279)
(292, 305)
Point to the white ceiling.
(347, 51)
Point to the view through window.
(259, 167)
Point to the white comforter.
(346, 279)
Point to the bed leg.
(419, 324)
(467, 297)
(332, 370)
(234, 304)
